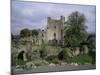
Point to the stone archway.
(22, 56)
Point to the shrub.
(93, 55)
(20, 62)
(63, 54)
(43, 52)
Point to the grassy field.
(82, 59)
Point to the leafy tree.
(35, 35)
(25, 33)
(75, 29)
(35, 32)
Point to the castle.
(53, 34)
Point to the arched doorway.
(21, 55)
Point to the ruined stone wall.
(53, 31)
(42, 37)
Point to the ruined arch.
(21, 55)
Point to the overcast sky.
(34, 15)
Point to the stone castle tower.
(53, 34)
(54, 31)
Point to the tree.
(25, 33)
(75, 29)
(35, 33)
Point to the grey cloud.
(34, 15)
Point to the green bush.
(43, 52)
(63, 54)
(93, 55)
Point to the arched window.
(54, 35)
(42, 35)
(55, 27)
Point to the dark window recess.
(42, 35)
(55, 27)
(54, 34)
(47, 27)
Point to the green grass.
(81, 59)
(20, 62)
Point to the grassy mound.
(81, 59)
